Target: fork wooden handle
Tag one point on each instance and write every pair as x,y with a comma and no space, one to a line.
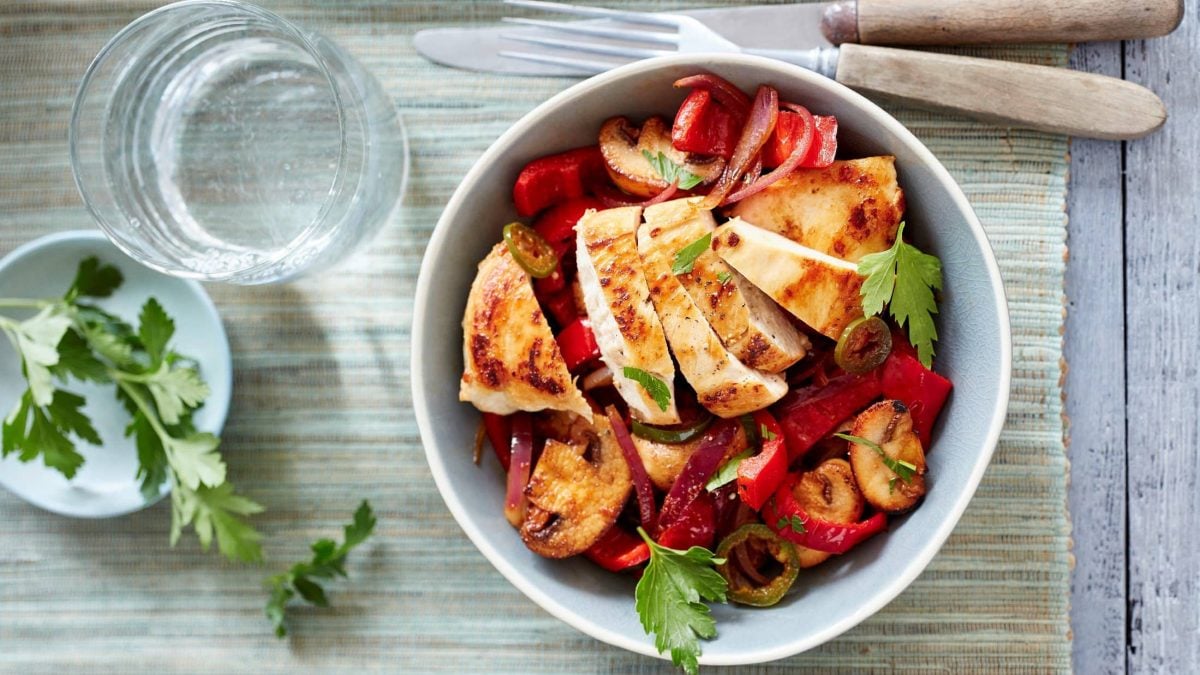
1016,94
948,22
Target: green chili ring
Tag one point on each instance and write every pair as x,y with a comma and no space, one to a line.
743,590
671,436
530,250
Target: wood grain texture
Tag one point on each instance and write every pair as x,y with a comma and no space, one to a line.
1162,321
1011,94
947,22
1095,389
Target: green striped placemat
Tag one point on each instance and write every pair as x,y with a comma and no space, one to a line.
322,416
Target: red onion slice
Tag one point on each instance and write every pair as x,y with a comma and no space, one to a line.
790,164
699,468
723,90
637,470
763,114
518,468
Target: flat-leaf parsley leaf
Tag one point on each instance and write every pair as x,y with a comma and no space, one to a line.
904,279
658,390
671,172
669,600
685,258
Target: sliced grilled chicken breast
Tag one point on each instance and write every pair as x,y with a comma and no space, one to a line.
848,209
511,361
749,324
820,290
627,330
723,384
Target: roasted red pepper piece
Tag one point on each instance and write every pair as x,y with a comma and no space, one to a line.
696,525
499,433
760,475
819,535
824,146
554,179
705,126
810,414
559,305
789,129
578,344
921,389
618,550
557,225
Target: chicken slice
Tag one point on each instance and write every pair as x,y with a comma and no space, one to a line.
848,209
723,384
511,361
818,289
750,325
627,330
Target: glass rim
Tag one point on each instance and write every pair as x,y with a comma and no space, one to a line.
85,89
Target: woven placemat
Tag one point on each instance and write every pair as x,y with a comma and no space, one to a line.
322,416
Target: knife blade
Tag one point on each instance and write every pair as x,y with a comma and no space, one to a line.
792,26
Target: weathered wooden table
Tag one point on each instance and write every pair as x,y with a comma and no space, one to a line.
1133,384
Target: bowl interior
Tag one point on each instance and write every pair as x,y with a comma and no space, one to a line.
974,353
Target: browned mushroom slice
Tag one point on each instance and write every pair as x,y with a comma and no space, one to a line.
622,145
575,494
893,481
828,493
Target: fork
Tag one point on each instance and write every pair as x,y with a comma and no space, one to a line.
1011,94
688,36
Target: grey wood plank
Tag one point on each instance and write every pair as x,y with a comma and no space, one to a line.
1163,325
1095,389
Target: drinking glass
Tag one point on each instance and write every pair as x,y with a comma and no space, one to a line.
214,140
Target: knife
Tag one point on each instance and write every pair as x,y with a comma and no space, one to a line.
803,26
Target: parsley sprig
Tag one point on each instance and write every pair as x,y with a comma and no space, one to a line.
904,279
685,258
669,599
658,390
670,171
70,338
328,561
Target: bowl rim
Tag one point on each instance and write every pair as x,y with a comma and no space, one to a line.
440,238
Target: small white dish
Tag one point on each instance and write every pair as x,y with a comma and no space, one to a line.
106,485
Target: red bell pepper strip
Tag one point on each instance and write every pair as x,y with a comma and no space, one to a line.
819,535
618,550
519,467
760,475
557,224
824,147
695,526
578,344
789,130
704,126
641,480
699,468
499,433
554,179
810,414
559,305
921,389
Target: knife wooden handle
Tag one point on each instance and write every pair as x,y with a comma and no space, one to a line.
950,22
1012,94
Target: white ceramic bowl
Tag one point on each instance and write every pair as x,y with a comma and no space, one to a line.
106,485
974,352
